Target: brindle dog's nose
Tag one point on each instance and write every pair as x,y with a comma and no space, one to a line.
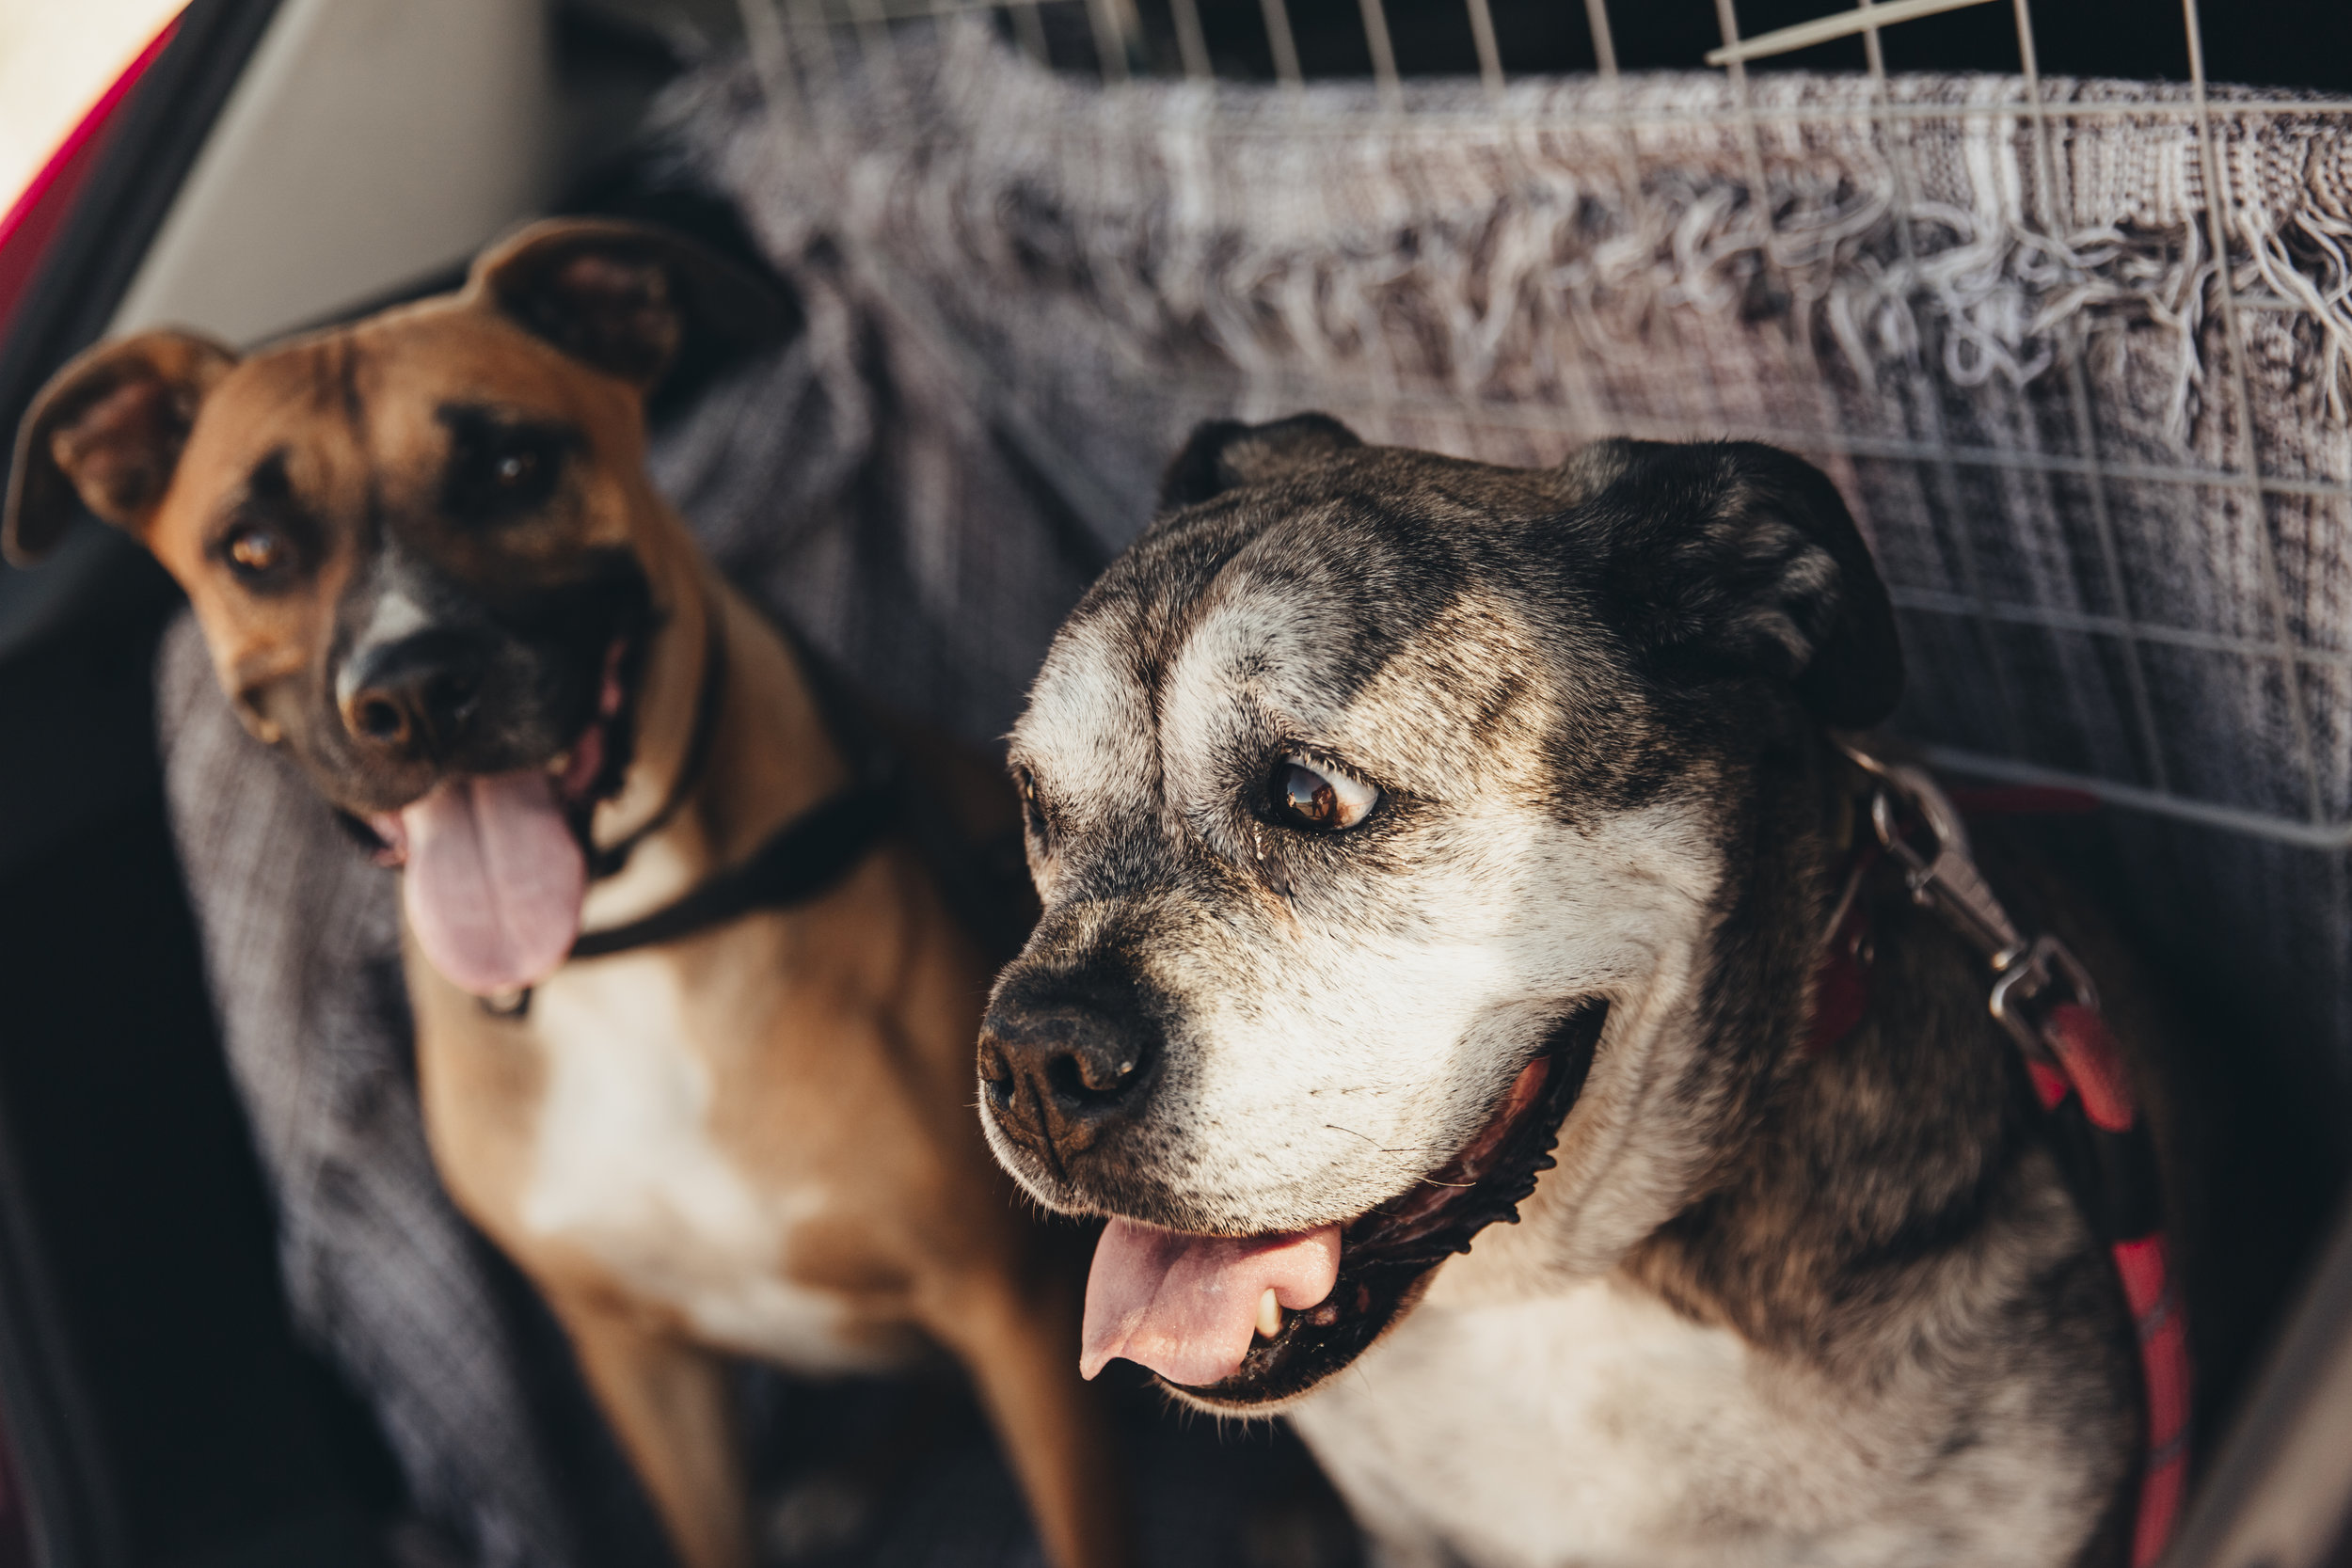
1067,1058
412,697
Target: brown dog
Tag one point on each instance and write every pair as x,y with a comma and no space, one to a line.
431,569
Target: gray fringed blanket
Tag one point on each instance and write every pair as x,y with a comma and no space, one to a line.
2114,513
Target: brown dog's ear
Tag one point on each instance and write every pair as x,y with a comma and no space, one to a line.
106,433
1223,453
623,297
1730,557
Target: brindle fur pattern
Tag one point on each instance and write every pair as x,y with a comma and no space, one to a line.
757,1140
1768,1308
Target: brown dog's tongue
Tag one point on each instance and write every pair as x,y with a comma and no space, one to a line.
1186,1305
495,880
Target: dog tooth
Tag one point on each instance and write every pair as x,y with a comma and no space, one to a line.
1269,1314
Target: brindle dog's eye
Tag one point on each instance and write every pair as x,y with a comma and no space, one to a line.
1318,799
515,469
255,553
1032,815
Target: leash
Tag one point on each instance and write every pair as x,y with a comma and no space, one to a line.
2043,998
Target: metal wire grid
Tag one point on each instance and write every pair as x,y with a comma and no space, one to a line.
787,38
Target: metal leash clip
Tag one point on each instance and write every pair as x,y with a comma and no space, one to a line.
2031,975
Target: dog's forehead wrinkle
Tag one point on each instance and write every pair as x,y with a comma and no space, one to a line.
1293,629
1462,704
1084,730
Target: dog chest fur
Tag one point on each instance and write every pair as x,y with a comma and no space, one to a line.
1646,1438
626,1168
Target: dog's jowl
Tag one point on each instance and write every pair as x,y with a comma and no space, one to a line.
694,1023
1425,845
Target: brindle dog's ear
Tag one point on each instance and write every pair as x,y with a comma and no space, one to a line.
1733,556
623,297
1223,453
105,433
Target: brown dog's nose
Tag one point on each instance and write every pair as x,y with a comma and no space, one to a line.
412,697
1065,1060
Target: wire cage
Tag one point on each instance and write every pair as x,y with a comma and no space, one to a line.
2075,349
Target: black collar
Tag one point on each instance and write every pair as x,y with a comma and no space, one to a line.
803,858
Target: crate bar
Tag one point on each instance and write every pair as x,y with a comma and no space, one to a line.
2236,819
2048,618
1604,38
1868,19
1192,44
1277,37
1110,39
1383,53
1481,23
2218,198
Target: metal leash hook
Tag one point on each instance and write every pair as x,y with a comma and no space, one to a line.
1945,877
2022,998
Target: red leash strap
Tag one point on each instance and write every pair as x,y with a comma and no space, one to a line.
2085,1081
2046,1001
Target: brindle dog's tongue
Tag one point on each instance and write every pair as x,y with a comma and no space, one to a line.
1186,1305
495,880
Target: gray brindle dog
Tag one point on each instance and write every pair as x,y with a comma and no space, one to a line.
1426,844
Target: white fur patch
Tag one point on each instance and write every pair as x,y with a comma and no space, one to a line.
1595,1426
627,1171
396,614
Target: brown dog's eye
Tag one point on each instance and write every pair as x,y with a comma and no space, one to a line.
256,552
1318,799
501,466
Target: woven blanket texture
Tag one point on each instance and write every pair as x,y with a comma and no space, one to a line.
2113,512
2002,335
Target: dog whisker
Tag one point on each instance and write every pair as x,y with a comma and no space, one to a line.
1374,1142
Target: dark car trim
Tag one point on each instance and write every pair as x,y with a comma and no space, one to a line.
151,141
